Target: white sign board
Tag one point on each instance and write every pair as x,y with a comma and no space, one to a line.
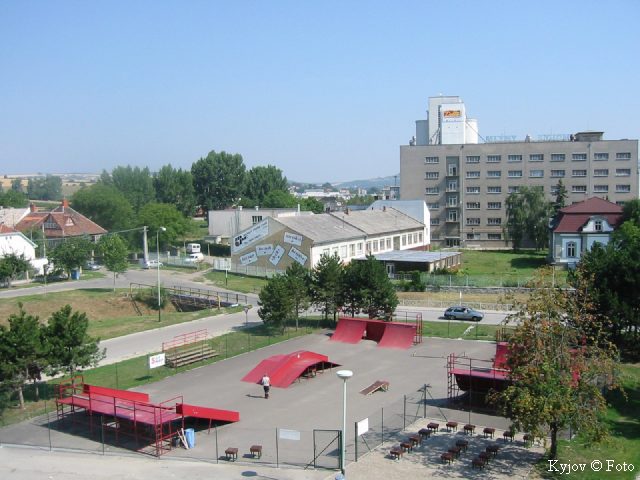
293,238
255,233
289,434
276,255
156,361
362,426
248,258
298,256
263,250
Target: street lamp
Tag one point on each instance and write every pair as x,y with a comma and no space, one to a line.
344,375
160,229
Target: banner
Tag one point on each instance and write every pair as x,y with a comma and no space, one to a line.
255,233
276,255
289,434
156,361
362,426
293,238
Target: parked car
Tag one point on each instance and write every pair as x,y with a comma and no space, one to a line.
152,264
460,312
194,258
92,266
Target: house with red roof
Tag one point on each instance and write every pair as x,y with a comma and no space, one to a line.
577,227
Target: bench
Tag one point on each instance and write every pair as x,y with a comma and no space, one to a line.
493,449
231,453
406,446
379,385
424,433
455,451
469,429
452,426
415,439
446,457
433,427
488,432
396,452
478,463
486,456
463,444
256,451
190,353
507,436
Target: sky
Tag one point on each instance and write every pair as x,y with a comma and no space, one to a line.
325,91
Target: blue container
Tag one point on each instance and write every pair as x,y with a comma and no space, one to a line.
75,274
190,436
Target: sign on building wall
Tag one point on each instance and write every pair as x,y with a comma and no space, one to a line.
248,258
293,238
263,250
452,114
298,256
276,255
255,233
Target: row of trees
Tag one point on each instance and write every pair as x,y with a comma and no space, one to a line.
48,187
29,348
361,286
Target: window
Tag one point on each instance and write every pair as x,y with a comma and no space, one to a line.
452,169
623,172
494,236
494,221
515,173
601,188
473,159
432,175
494,158
352,249
536,174
536,157
557,173
601,156
419,239
433,206
514,158
571,249
435,221
514,189
473,190
623,156
432,160
473,221
343,251
255,219
473,205
388,243
494,189
452,201
452,216
473,236
623,188
597,225
473,174
404,240
494,205
359,247
452,186
557,157
579,189
578,173
432,191
578,157
494,174
601,172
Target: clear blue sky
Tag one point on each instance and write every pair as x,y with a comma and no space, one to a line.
326,91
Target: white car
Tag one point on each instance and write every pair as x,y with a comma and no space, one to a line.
194,258
152,264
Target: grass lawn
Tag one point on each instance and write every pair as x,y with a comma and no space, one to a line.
458,329
235,282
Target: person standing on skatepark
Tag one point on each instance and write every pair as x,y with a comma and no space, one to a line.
266,385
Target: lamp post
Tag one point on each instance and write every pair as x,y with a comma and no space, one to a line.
344,375
160,229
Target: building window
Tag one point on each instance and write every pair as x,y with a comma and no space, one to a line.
435,221
578,173
494,189
557,157
514,189
255,219
352,249
452,216
623,188
494,174
343,251
494,205
536,157
578,157
597,225
623,156
452,186
432,175
388,243
452,201
473,221
494,236
494,158
623,172
473,159
452,169
494,221
515,173
473,190
601,172
601,156
571,249
579,189
432,160
420,238
359,247
514,158
432,191
536,174
600,188
473,205
557,173
404,240
433,206
473,236
473,174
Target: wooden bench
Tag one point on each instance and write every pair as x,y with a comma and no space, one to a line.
463,444
424,433
478,463
469,429
452,426
486,456
455,451
190,353
493,449
396,452
379,385
446,457
415,438
488,432
433,427
231,453
256,451
406,446
507,436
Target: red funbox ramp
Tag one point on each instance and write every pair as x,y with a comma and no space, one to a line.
501,358
397,335
349,330
284,369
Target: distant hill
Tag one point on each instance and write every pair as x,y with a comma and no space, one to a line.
378,182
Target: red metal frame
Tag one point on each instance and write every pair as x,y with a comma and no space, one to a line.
185,339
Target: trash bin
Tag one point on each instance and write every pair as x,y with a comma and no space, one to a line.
190,436
75,274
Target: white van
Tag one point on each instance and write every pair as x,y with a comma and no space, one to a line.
193,248
194,258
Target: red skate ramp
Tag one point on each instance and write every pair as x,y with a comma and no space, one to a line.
349,330
397,335
502,352
283,370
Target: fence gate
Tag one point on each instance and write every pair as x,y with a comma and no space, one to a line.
326,449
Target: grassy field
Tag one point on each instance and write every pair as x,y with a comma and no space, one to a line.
235,282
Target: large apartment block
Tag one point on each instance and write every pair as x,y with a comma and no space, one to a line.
465,185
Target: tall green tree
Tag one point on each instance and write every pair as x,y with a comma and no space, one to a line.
327,280
299,281
561,197
13,199
135,183
528,214
631,211
367,288
105,205
156,215
11,266
47,188
175,186
276,304
71,254
261,180
16,185
218,180
114,254
68,345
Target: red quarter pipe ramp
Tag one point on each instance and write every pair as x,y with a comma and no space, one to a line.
386,334
397,335
283,370
349,330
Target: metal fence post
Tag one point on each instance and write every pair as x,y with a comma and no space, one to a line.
278,452
404,413
215,429
424,402
355,436
382,425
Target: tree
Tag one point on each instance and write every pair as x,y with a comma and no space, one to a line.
156,215
327,280
559,363
261,180
361,200
114,254
367,288
631,211
279,199
561,197
175,187
68,345
135,184
47,188
104,205
218,180
275,302
528,217
311,204
13,198
16,185
72,254
11,266
299,280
